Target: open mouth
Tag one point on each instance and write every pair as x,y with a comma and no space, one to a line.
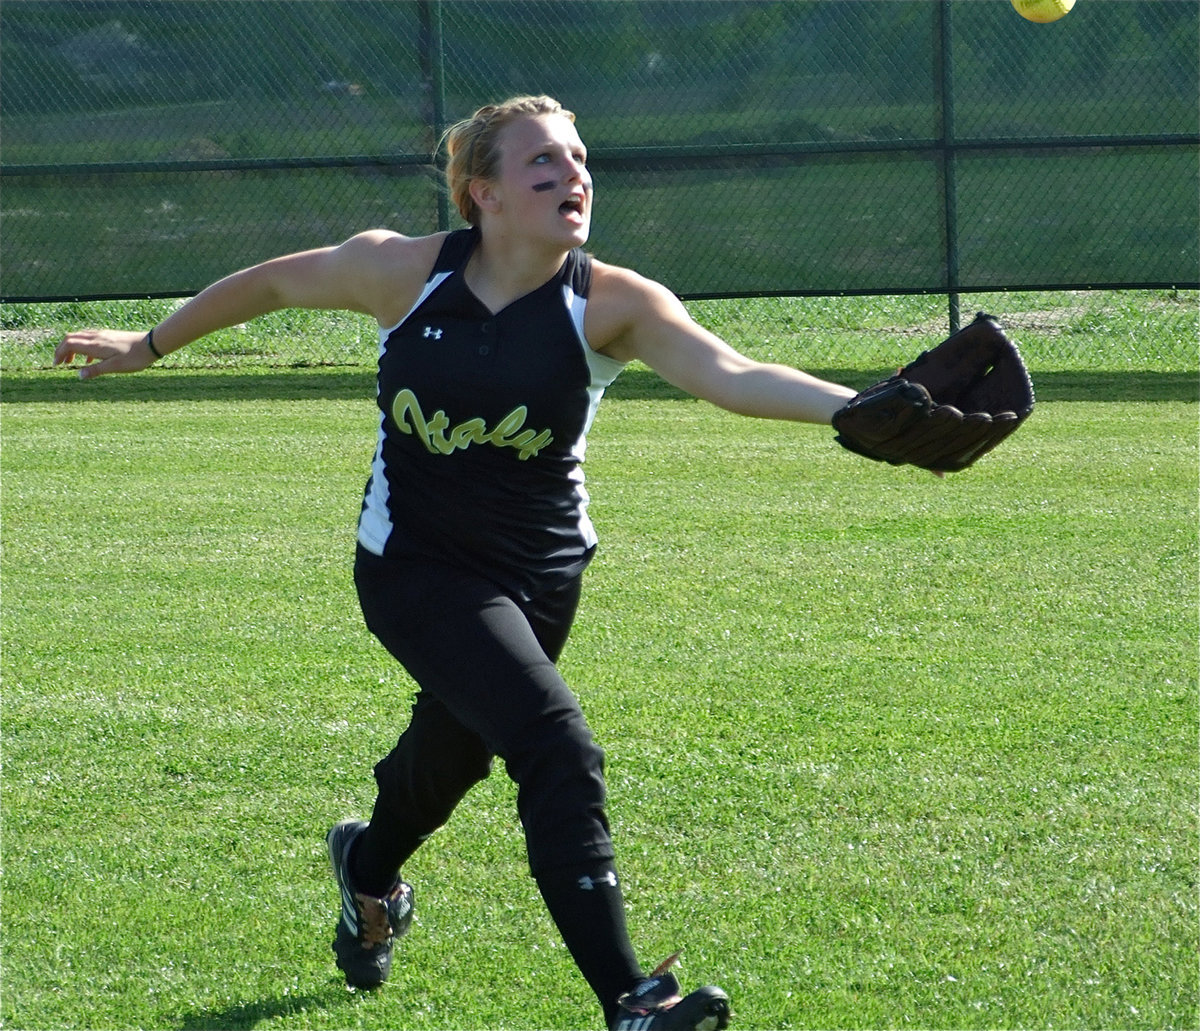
573,205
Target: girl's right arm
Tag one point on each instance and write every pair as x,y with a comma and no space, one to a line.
377,273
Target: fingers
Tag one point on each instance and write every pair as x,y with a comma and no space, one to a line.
91,371
103,351
86,343
67,348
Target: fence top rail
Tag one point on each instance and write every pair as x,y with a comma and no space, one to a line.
620,156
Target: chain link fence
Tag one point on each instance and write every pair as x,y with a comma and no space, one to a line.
760,154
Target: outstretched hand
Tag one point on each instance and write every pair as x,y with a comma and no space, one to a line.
105,351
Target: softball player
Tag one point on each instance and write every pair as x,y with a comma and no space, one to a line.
496,344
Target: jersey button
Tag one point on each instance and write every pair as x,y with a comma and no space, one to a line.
484,349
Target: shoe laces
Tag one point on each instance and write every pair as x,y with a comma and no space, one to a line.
657,993
374,921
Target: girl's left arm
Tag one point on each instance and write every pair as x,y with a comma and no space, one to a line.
642,319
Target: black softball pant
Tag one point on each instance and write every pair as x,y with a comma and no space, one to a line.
487,686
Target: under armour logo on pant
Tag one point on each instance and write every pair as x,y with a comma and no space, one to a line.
589,883
436,334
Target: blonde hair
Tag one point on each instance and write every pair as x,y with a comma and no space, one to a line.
473,149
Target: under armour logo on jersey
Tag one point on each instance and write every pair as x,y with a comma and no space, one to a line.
430,332
590,883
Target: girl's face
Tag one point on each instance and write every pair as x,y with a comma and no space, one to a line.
543,185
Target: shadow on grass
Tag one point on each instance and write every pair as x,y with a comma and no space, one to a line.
349,384
252,1014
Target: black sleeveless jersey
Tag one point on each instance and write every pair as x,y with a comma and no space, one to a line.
483,419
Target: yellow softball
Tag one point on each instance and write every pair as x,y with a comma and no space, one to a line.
1042,11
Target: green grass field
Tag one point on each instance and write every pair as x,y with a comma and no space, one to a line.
884,750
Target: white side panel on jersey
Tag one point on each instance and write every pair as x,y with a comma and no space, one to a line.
603,371
375,524
602,368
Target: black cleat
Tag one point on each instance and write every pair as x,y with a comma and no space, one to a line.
656,1005
369,926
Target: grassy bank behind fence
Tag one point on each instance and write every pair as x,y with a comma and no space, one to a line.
1144,331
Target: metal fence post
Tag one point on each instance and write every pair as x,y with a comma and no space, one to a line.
949,167
433,71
